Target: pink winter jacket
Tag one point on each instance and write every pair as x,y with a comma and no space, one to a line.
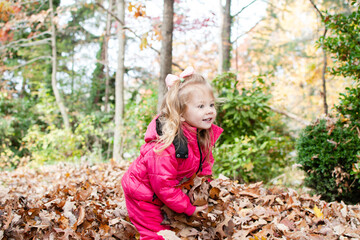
153,177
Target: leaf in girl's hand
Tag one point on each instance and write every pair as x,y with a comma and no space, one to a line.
186,183
168,235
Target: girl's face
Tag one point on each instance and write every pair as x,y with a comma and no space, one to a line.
200,109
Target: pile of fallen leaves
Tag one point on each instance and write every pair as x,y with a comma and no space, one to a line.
64,202
86,202
238,211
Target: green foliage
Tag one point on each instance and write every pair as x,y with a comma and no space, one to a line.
344,43
16,116
96,134
328,151
31,131
241,113
349,105
253,146
262,156
140,109
53,145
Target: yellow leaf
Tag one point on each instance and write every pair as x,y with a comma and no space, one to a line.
158,34
130,7
344,119
318,212
248,166
144,41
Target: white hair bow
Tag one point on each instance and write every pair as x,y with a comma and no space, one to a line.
171,78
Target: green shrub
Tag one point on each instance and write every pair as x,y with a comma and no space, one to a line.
254,146
16,116
328,151
260,157
88,140
95,131
241,112
53,145
349,106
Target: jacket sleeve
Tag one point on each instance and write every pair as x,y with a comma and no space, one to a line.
162,170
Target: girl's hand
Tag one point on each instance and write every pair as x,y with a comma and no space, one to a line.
199,209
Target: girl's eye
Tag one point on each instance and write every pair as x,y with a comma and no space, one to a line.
212,105
201,106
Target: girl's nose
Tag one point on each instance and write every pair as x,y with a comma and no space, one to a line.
210,110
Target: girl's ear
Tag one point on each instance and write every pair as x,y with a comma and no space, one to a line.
182,119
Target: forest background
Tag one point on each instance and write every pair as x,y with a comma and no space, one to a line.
81,80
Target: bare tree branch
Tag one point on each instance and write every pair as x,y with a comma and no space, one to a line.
243,8
325,60
29,62
27,2
24,40
133,32
237,38
316,8
290,115
36,43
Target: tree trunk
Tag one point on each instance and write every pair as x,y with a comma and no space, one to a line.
324,80
119,84
166,47
220,70
106,56
58,97
325,62
23,86
225,43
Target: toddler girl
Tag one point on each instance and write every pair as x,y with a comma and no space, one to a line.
178,145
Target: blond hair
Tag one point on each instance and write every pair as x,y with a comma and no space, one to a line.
172,108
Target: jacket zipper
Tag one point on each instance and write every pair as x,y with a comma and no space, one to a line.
201,160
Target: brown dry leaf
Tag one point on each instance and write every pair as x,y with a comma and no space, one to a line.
68,201
214,193
65,201
81,217
252,212
289,224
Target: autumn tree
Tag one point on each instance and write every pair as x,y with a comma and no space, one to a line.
166,46
119,83
25,37
225,46
58,97
328,149
106,55
323,77
37,33
290,59
32,45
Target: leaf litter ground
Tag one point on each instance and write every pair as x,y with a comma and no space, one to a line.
67,201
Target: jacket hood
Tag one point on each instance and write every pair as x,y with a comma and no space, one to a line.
151,134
